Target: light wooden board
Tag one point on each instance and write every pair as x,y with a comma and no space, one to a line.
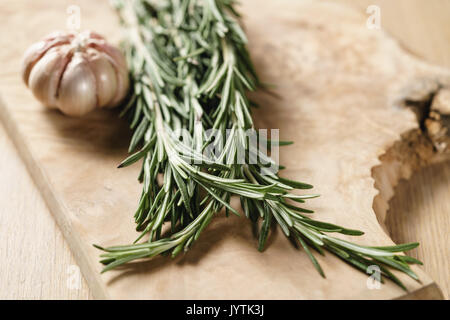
35,260
79,204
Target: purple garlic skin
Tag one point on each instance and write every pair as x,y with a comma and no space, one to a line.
76,73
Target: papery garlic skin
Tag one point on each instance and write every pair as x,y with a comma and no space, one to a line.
76,73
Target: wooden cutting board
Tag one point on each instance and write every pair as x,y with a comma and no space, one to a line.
343,90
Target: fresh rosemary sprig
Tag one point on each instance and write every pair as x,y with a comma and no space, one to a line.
191,71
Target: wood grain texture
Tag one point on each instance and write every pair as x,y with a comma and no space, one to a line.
422,27
10,161
35,261
420,212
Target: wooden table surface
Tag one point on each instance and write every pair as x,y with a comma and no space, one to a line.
36,263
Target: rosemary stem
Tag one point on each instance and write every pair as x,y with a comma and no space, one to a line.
191,70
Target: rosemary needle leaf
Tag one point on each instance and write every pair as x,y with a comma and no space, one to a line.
136,156
392,277
295,184
396,265
358,248
311,256
218,198
264,230
408,259
400,247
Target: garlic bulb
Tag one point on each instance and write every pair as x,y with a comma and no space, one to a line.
76,72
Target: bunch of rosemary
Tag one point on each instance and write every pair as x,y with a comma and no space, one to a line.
191,71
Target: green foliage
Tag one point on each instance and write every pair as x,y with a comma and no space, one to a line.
191,69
